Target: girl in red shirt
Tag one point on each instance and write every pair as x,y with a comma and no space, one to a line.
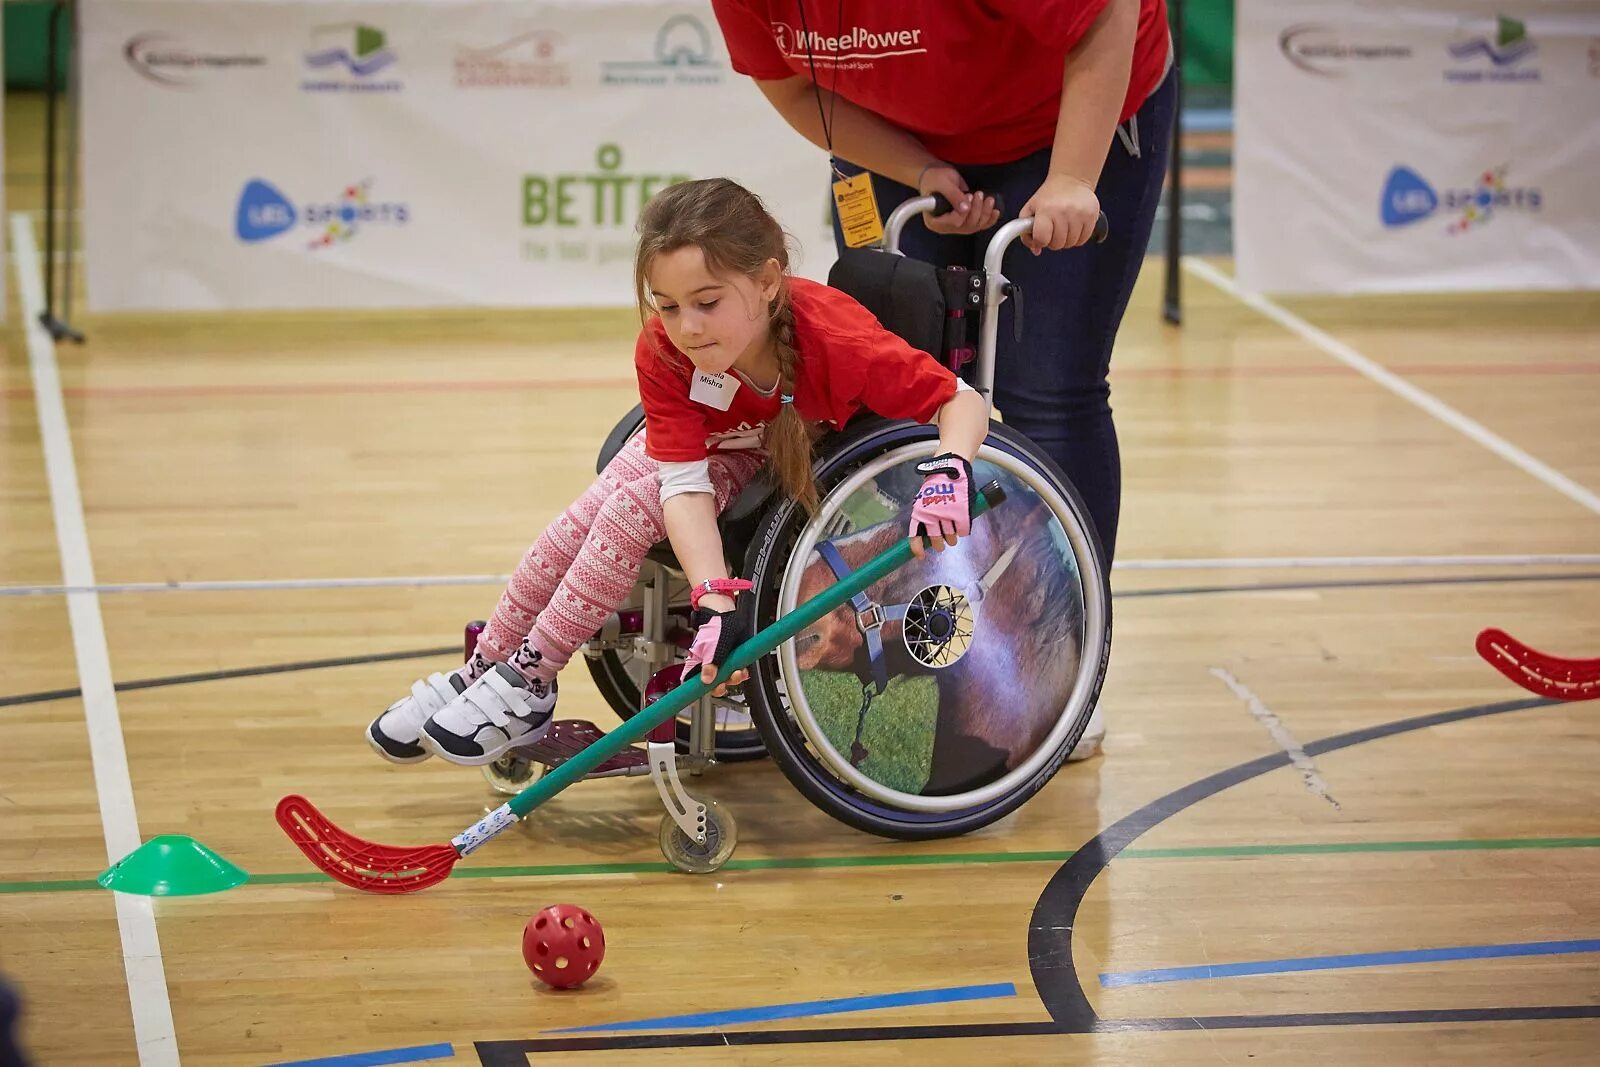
738,365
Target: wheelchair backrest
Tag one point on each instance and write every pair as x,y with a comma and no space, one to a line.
903,293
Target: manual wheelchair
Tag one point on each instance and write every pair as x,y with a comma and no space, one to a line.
938,700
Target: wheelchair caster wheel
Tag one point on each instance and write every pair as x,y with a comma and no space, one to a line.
511,774
686,854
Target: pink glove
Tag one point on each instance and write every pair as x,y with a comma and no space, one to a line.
944,503
716,633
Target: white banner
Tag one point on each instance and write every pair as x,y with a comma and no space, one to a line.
371,154
1410,146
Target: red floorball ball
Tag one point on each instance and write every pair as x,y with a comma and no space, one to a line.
563,945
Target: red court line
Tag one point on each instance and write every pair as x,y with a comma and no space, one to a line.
338,388
491,385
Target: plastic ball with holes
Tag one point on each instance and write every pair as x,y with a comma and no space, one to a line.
563,945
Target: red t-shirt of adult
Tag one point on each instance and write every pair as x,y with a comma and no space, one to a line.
847,361
976,82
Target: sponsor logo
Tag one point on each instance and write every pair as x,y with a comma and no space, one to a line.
682,56
1499,56
529,61
607,199
167,61
264,212
1323,50
347,58
1409,198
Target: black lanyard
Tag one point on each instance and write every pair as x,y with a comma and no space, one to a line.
825,116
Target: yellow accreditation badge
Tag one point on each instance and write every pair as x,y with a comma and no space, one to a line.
858,211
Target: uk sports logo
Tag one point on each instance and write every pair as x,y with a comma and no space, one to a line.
1409,198
264,212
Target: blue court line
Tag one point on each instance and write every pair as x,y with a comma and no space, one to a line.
812,1007
1358,959
413,1054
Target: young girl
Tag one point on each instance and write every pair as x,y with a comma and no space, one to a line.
738,363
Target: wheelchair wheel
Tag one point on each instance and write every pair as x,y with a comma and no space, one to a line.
949,693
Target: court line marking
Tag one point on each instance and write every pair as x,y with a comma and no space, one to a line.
1050,930
910,859
153,1030
805,1009
1116,979
516,1053
381,1058
265,390
1050,945
1397,385
1573,559
47,695
1309,775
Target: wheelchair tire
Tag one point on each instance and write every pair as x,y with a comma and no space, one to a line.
770,555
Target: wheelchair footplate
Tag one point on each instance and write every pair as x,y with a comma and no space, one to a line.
568,737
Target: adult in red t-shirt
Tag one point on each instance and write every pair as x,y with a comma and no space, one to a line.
1062,108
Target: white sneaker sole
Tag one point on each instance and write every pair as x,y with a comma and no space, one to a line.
372,742
489,756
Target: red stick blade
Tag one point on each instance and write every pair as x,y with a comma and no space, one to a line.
358,863
1538,672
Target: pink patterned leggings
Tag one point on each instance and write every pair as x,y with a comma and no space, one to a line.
586,563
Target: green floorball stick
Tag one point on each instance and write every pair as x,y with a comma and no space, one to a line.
377,868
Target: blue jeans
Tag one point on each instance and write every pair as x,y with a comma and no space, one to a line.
1053,386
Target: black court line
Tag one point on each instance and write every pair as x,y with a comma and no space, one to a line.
1050,943
1050,930
1197,590
517,1053
238,672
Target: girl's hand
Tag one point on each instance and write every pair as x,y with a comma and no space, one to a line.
717,634
943,511
970,212
1064,212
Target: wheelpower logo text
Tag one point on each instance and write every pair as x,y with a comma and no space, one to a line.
855,47
347,57
264,212
168,61
1409,198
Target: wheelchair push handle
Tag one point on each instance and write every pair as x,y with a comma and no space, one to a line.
936,205
941,206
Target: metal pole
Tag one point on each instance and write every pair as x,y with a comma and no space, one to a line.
58,329
1172,299
69,238
47,316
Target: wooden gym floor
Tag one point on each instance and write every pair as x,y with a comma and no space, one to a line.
1307,554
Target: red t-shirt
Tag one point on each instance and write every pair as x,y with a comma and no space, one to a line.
976,82
848,361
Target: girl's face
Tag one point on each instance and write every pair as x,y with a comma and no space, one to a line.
716,320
